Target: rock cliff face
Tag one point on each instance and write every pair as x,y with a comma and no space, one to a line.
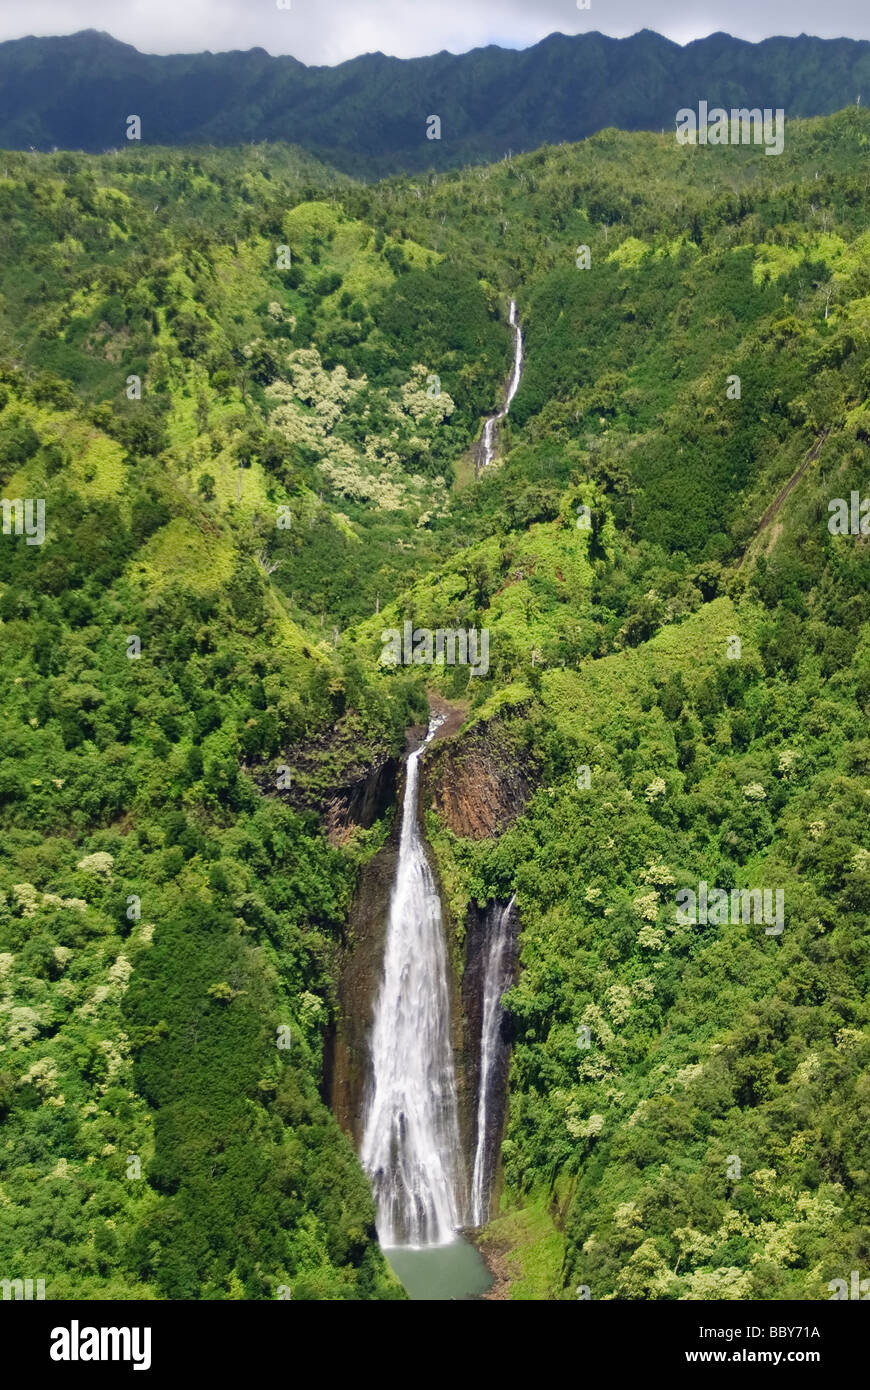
476,782
362,801
347,1062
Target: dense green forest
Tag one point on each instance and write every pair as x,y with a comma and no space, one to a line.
248,389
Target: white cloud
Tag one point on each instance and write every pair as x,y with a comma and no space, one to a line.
329,31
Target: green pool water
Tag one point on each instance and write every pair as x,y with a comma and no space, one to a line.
441,1272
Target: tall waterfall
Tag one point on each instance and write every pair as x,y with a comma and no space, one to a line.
411,1148
487,441
496,980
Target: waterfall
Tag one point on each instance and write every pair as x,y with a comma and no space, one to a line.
411,1148
487,441
496,979
514,383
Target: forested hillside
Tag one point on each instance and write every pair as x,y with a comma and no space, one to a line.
248,390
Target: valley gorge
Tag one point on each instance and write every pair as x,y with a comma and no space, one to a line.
331,977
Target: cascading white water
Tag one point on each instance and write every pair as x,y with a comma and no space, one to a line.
487,442
496,980
411,1149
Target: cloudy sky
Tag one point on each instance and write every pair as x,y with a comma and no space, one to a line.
328,31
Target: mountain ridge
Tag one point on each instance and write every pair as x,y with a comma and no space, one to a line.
369,115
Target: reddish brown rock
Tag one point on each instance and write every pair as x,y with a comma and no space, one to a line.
477,782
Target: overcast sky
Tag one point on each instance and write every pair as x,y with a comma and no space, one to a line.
328,31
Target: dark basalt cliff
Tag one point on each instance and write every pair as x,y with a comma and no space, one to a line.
359,968
358,792
362,801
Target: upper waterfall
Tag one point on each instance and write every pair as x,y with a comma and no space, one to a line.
486,451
